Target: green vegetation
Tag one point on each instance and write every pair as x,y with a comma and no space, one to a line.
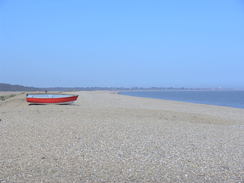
5,97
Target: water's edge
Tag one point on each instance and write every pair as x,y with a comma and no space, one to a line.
233,99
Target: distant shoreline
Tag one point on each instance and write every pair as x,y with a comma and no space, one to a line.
226,98
9,87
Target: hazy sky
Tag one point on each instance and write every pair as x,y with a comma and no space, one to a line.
190,43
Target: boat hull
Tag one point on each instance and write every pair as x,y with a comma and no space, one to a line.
51,98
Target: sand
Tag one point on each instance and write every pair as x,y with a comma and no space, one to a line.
106,137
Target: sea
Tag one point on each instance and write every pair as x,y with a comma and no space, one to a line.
220,98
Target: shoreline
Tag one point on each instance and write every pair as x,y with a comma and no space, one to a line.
183,101
107,137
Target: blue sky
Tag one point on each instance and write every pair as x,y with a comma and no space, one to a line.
122,43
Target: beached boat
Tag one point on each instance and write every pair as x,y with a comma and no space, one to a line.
48,98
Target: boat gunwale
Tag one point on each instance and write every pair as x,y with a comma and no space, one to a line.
62,94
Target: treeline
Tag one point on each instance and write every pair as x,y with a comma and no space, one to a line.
9,87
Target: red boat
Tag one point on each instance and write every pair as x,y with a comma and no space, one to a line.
48,98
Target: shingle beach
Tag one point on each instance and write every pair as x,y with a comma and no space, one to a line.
106,137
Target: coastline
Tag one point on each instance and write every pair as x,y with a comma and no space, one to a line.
207,97
108,137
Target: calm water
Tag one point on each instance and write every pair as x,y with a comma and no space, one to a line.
222,98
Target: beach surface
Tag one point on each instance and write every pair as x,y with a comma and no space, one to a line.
106,137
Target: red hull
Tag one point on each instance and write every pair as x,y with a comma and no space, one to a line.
58,100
